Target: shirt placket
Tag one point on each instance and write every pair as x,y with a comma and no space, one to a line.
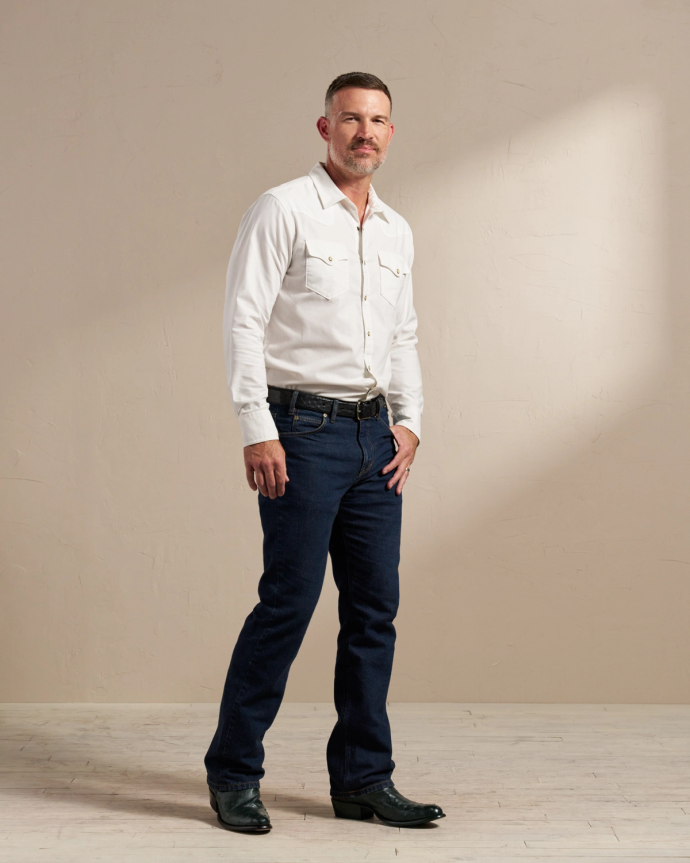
366,299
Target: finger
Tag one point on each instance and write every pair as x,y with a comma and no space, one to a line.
397,458
261,481
399,472
281,479
249,470
269,474
403,479
396,476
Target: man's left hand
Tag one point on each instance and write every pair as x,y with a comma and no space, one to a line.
407,445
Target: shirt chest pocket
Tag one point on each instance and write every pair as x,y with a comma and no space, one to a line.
392,270
327,268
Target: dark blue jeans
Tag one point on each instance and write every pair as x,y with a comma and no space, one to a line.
335,502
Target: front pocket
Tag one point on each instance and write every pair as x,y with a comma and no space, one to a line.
327,268
392,270
298,423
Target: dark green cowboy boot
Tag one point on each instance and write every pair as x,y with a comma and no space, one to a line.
389,806
240,810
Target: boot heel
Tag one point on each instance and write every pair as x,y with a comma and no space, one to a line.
214,802
351,810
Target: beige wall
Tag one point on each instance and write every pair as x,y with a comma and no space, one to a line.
541,158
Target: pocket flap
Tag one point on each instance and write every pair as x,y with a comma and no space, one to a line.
394,262
326,250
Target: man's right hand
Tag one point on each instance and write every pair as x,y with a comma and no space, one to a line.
267,460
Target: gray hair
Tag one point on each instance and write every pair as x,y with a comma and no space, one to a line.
354,79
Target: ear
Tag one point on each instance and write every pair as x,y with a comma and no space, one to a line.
391,129
323,125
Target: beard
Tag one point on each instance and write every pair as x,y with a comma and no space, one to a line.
357,165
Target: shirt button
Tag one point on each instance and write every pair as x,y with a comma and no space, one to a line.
368,333
364,263
365,296
330,259
369,368
396,271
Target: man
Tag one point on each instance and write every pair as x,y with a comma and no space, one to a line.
319,327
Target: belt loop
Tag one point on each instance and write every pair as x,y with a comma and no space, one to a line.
293,401
334,410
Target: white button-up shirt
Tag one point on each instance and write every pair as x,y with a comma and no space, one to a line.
315,303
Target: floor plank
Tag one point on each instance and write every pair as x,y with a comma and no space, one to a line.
527,782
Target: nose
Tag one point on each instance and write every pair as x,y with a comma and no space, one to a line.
366,129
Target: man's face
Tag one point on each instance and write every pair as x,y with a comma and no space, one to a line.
358,130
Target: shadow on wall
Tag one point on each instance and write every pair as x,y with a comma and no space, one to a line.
546,531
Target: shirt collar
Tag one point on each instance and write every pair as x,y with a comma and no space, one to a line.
376,205
330,194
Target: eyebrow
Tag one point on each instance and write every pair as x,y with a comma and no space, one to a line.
356,114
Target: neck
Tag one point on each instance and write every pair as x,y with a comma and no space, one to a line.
355,186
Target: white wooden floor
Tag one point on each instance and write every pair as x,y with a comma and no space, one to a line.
89,782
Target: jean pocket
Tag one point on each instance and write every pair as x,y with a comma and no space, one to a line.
300,423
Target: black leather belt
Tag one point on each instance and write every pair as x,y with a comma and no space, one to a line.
310,402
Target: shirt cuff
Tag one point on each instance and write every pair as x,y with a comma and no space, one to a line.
257,426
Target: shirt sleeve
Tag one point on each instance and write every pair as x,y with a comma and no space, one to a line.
258,263
405,389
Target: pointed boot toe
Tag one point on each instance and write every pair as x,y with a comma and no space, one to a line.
240,810
389,806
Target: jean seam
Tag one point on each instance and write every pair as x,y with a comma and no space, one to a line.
364,430
348,666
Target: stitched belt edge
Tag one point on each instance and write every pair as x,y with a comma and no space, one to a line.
311,402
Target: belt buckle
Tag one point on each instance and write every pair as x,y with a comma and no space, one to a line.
378,408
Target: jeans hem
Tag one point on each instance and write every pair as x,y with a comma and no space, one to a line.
233,786
379,786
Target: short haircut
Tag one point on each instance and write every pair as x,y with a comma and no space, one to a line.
355,79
